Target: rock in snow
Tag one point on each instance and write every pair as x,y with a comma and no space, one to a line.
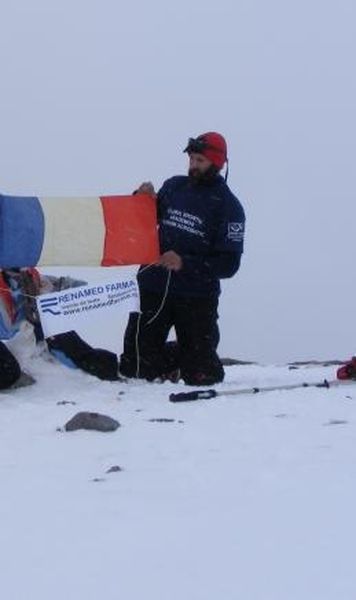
91,420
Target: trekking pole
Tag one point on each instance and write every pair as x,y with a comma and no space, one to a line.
207,394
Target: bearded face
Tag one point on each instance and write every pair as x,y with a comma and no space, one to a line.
200,167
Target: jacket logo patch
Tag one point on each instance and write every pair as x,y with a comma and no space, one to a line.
185,221
235,232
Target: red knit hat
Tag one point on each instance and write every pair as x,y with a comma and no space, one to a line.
212,145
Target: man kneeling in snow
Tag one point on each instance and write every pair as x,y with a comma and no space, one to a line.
18,315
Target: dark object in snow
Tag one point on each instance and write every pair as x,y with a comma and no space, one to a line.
65,402
314,363
161,420
207,394
91,420
336,422
229,362
114,469
24,380
10,370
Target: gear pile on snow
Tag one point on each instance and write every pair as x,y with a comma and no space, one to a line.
348,370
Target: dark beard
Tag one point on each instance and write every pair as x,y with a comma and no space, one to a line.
197,177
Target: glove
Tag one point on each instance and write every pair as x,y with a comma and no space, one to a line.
146,188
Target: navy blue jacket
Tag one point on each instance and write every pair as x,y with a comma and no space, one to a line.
204,223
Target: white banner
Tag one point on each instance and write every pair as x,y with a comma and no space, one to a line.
60,311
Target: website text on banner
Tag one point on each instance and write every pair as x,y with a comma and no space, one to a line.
60,312
93,231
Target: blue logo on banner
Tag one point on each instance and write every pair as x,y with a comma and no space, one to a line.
49,304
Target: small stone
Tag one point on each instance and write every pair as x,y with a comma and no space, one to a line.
91,420
114,469
336,422
64,402
161,420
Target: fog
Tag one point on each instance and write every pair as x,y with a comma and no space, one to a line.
99,96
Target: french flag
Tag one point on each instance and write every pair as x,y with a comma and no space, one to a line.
90,231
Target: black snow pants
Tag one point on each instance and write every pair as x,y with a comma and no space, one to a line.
96,361
10,370
146,353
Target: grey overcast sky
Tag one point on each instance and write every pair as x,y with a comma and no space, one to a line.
97,96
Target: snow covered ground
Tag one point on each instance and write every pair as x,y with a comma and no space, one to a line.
249,498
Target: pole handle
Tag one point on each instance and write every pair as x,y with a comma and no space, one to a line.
195,395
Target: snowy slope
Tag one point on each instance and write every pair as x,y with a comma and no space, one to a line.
249,498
